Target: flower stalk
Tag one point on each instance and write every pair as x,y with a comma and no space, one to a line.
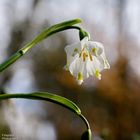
83,34
43,35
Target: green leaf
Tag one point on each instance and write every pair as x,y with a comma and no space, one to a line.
55,99
45,96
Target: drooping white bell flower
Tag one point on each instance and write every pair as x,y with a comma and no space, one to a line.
86,58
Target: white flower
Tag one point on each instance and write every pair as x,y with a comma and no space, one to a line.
86,58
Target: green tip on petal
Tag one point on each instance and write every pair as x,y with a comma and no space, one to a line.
80,78
95,51
97,74
66,67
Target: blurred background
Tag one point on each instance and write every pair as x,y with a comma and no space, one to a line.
111,105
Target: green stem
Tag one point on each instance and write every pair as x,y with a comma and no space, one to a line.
85,120
43,35
50,97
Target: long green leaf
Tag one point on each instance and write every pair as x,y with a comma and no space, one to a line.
45,96
55,99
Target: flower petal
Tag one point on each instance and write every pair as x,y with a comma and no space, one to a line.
100,53
72,51
74,48
84,42
95,47
93,66
78,69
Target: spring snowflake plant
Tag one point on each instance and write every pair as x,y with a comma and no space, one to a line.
85,58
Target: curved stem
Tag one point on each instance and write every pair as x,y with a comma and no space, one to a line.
43,35
49,97
85,120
